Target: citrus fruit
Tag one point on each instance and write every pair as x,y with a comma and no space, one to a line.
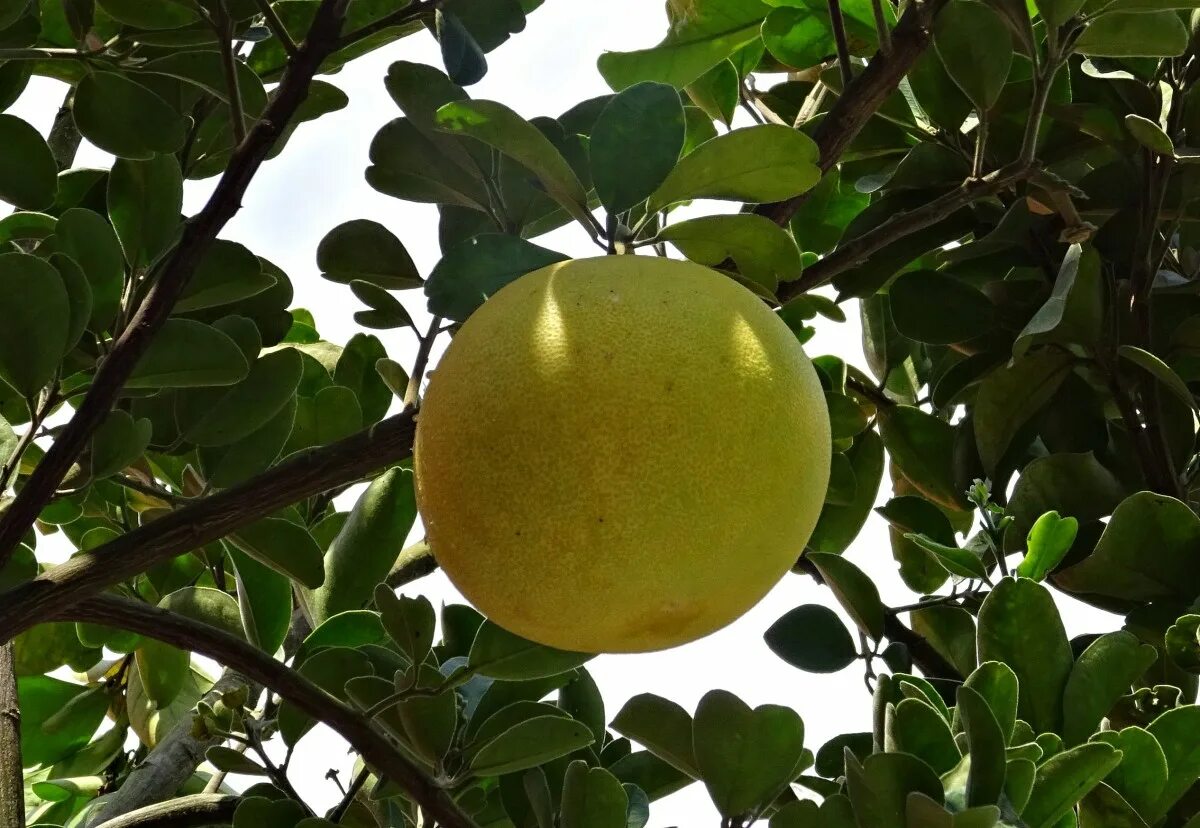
620,454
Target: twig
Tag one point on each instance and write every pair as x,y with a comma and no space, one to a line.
172,276
408,14
869,391
413,391
37,412
855,251
339,810
839,38
981,136
271,18
881,28
149,490
237,116
373,746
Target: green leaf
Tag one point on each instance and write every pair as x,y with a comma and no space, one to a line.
915,727
1176,731
763,163
353,628
385,310
745,757
846,417
429,721
580,698
90,241
1074,484
250,404
592,798
163,670
409,622
1160,371
922,448
949,630
1011,395
1118,566
284,546
797,37
461,55
1019,625
40,697
717,92
1133,34
125,118
976,49
702,35
1142,774
985,742
856,592
366,251
1047,544
254,453
498,126
414,165
879,788
811,637
1064,779
762,251
1104,807
957,561
1150,135
473,270
1075,310
150,14
264,599
635,143
662,726
911,513
227,273
530,743
117,443
145,198
261,812
933,307
358,369
23,225
28,174
839,525
33,337
185,353
329,669
232,761
499,654
997,684
364,550
79,296
1181,642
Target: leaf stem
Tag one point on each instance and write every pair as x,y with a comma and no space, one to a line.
839,38
237,114
413,392
271,18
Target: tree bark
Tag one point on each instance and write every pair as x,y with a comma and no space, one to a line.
192,811
12,798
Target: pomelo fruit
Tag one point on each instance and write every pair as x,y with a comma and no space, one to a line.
621,454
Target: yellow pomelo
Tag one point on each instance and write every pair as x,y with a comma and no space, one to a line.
621,454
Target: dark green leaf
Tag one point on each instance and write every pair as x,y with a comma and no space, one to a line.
117,443
976,49
662,726
856,592
385,310
763,252
717,92
33,337
1142,774
366,251
1103,673
1131,34
1175,731
28,174
145,198
960,562
880,786
592,798
1064,779
529,744
185,353
1075,310
461,55
838,525
997,684
409,621
951,631
812,638
284,546
475,269
88,239
265,601
986,742
922,448
1160,371
933,307
635,143
125,118
1011,395
915,727
502,655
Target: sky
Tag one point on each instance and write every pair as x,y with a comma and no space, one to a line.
318,183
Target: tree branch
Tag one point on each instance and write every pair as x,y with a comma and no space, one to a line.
863,97
172,276
271,18
12,797
857,250
408,14
194,811
248,660
839,38
209,519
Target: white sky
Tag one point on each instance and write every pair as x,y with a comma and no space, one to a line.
317,183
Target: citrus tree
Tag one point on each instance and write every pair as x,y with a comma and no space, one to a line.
1002,191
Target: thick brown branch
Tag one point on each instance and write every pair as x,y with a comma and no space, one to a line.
207,520
172,276
251,662
863,97
12,798
194,811
857,250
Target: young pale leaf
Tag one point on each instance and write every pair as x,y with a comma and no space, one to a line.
662,726
185,353
745,757
635,143
763,163
1064,779
957,561
363,552
28,174
366,251
976,49
499,654
145,198
592,798
473,270
498,126
1042,662
529,744
812,638
33,336
856,592
1047,544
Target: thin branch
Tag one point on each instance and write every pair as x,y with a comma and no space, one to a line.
881,28
862,98
207,520
307,697
194,811
271,18
339,810
237,114
133,484
858,249
408,14
12,798
839,38
172,276
413,392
